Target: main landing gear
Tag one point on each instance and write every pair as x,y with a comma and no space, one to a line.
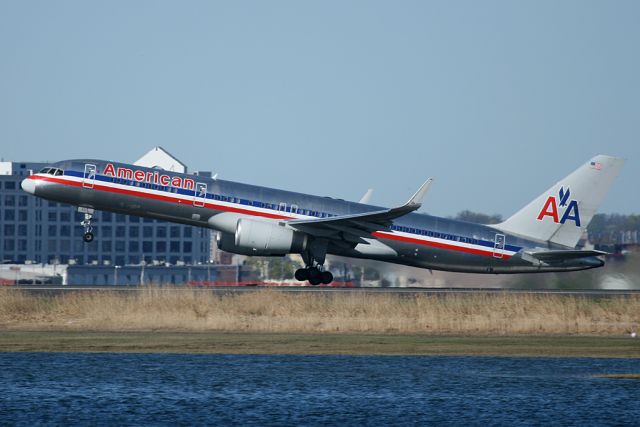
314,258
314,275
88,229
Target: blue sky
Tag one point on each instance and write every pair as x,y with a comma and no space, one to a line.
495,99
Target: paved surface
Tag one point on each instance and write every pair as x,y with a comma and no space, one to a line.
599,293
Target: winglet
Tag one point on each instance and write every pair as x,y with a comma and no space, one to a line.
416,199
367,196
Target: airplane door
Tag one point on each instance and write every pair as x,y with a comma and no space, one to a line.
498,247
200,194
89,176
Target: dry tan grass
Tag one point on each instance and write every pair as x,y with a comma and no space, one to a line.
275,311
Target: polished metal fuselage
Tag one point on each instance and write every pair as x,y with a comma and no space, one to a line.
415,239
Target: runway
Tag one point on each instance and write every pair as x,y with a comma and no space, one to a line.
593,293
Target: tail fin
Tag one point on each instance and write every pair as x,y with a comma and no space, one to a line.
562,213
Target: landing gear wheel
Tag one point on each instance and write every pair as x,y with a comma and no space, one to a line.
314,276
88,229
326,277
301,274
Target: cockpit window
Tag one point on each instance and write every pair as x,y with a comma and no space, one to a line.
52,171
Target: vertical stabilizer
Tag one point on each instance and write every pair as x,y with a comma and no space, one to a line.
562,213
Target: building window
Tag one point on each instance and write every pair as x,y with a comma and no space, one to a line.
147,231
106,216
9,200
65,216
52,245
161,232
147,246
120,245
174,246
161,246
22,201
65,230
106,246
53,204
65,246
121,218
134,231
175,231
10,185
134,246
9,230
106,231
187,247
9,245
53,216
120,231
9,215
22,215
22,229
52,230
188,232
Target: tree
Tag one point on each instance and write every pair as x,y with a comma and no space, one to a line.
478,218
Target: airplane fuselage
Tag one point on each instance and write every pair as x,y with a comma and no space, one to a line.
414,239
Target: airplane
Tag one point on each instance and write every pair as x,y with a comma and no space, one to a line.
254,220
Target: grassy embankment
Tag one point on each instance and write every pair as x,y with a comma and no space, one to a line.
270,321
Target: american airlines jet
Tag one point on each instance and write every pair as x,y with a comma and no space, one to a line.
254,220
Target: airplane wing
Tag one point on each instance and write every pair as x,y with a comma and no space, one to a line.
367,196
355,227
562,255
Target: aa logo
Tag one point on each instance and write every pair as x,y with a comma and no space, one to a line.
569,208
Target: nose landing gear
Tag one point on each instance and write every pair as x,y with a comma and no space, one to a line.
86,223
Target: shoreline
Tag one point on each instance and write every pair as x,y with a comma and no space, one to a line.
317,344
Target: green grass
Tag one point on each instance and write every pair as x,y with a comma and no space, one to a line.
293,343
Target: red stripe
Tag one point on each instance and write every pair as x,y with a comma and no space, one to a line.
383,235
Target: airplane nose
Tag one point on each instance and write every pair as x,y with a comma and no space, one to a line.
28,185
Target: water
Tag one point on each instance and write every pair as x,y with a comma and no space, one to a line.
171,389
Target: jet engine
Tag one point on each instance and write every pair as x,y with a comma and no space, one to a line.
262,238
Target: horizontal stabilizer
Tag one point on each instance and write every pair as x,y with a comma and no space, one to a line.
558,256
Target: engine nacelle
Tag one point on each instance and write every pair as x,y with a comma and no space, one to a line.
262,238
